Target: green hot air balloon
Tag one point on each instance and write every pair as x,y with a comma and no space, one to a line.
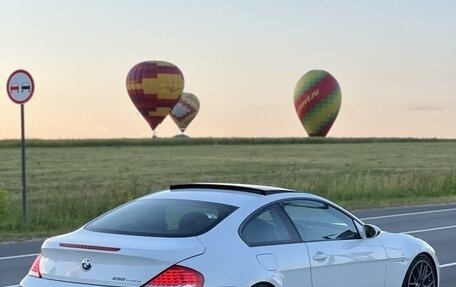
317,99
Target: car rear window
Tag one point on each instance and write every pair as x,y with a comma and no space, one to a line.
162,218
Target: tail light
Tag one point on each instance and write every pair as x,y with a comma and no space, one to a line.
35,269
177,276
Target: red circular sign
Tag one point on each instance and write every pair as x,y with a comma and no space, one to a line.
20,86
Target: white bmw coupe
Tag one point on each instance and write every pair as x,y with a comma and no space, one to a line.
222,235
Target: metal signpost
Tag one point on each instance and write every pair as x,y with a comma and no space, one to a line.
20,87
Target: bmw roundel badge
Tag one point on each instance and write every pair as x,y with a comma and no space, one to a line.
86,264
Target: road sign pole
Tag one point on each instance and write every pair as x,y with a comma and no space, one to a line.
20,87
24,185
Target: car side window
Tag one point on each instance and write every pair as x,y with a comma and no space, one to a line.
318,221
265,228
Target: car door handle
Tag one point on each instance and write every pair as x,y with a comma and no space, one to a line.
320,256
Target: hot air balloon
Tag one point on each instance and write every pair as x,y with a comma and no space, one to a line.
154,87
185,110
317,99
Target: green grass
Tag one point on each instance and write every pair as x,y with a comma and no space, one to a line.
69,182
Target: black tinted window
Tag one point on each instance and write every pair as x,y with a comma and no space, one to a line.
267,227
316,221
162,218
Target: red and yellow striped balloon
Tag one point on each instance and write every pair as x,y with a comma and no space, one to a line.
185,110
317,99
155,87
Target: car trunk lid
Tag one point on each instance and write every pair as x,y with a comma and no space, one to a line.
87,257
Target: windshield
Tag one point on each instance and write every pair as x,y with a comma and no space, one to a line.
162,218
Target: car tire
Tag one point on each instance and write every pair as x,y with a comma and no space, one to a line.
421,273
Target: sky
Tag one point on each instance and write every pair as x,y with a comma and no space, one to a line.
395,61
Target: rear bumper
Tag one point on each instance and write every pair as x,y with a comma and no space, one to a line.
30,281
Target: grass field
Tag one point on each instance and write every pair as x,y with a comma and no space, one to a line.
69,182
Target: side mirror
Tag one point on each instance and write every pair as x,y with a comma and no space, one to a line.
371,231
